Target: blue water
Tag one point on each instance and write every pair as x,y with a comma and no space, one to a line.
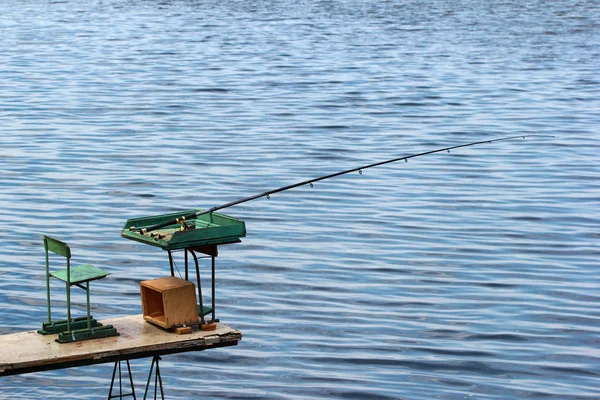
466,275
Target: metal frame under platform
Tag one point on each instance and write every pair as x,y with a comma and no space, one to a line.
29,351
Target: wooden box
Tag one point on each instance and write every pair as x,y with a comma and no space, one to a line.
169,302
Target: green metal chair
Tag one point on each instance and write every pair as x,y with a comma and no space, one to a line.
73,329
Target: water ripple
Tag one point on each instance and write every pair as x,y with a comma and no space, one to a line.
464,275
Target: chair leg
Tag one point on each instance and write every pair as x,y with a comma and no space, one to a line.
48,287
68,307
81,328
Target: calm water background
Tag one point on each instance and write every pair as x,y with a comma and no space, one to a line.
472,274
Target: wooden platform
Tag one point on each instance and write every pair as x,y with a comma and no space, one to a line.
26,352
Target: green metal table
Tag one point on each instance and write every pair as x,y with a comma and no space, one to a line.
192,235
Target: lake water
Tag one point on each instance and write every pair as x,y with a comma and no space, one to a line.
466,275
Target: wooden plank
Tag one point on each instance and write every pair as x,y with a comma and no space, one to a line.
25,352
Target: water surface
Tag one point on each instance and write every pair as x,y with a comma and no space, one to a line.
464,275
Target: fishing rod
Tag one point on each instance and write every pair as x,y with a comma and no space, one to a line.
267,194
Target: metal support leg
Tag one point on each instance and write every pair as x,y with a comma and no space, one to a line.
121,395
201,311
186,265
87,295
213,288
171,263
157,380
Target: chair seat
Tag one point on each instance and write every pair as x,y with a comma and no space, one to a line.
81,273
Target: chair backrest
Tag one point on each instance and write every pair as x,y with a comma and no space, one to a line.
56,246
